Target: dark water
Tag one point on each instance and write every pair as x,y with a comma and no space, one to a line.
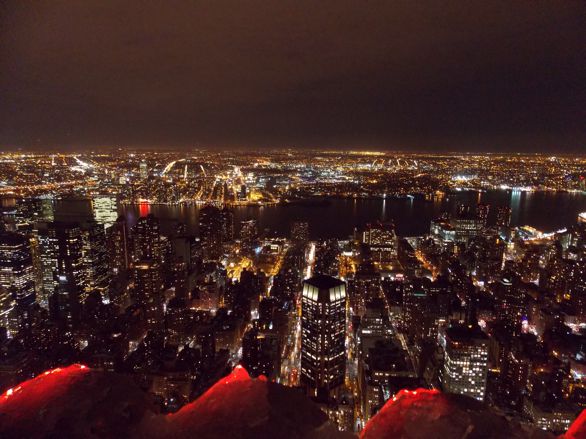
337,219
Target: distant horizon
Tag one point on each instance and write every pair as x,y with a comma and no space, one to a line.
244,149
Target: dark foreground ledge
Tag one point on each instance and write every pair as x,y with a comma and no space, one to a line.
77,402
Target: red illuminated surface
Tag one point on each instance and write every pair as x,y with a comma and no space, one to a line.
238,375
578,429
409,410
392,418
46,382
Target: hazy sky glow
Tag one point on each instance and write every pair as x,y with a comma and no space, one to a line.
441,75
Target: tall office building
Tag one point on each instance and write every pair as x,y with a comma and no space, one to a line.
482,211
65,302
465,360
382,242
118,242
243,193
300,232
17,279
105,210
80,211
61,252
503,216
509,303
227,216
143,170
95,255
148,290
146,239
16,266
465,227
210,232
248,233
323,331
419,310
64,269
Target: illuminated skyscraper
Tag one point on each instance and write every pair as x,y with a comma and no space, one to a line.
503,216
17,282
300,232
146,239
248,233
467,224
465,360
419,310
65,302
95,258
143,170
105,210
210,232
80,211
323,323
227,224
148,290
382,241
61,255
64,270
482,213
510,303
118,246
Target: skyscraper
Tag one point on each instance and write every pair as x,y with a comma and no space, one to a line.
482,211
503,216
118,246
248,233
61,254
382,242
105,210
323,323
465,360
17,281
65,302
227,216
300,232
419,310
146,239
148,290
210,232
143,170
509,303
80,211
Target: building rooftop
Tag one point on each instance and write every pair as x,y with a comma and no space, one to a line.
324,282
464,333
77,401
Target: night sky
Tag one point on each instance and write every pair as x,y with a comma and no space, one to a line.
437,75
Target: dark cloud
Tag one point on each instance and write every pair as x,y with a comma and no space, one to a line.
429,75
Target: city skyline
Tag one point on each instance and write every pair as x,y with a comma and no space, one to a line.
362,280
293,219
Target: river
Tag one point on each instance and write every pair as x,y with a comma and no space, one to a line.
546,211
